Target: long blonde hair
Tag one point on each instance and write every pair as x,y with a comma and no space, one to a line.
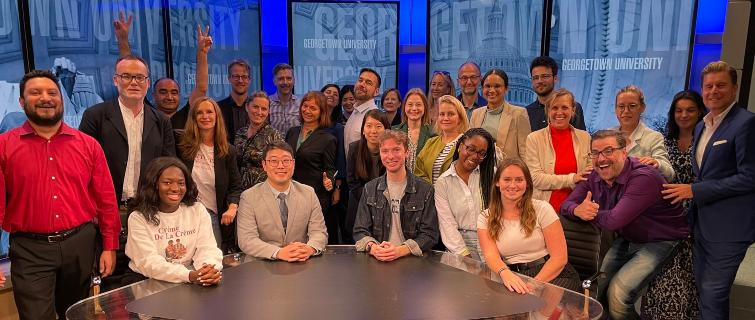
527,214
191,139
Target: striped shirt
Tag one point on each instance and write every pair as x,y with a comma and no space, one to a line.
284,116
439,160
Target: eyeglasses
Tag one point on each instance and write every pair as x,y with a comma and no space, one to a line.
465,79
442,72
286,162
632,107
236,77
542,76
127,78
471,151
607,152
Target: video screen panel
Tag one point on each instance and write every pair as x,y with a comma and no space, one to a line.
496,34
12,65
602,46
235,32
76,40
329,42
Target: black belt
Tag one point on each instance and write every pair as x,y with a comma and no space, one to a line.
519,267
51,237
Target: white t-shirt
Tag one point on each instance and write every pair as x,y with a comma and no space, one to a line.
396,192
511,243
181,243
203,174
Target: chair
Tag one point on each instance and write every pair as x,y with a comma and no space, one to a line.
586,245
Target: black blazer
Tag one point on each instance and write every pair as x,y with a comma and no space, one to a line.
227,178
104,122
315,156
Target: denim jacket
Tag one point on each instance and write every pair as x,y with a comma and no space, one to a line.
419,220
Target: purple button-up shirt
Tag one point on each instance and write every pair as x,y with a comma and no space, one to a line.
634,206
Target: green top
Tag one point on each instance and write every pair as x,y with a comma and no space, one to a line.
492,120
301,139
426,158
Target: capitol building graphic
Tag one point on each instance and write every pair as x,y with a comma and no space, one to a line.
496,53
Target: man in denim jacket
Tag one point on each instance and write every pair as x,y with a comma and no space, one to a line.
396,214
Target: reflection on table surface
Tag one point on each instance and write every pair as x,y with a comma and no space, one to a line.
562,303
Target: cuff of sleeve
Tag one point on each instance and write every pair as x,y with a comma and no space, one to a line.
110,243
275,255
413,247
317,251
464,252
572,185
362,243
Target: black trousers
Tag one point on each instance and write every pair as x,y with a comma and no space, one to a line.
50,277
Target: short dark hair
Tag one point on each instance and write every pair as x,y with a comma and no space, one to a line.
37,74
278,144
240,62
621,137
363,70
544,61
147,199
499,73
132,57
672,128
280,67
165,78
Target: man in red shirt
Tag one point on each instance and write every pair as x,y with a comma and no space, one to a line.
53,181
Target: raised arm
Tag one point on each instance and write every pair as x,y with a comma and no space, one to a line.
122,28
204,41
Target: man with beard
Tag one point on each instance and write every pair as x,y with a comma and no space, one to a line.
284,105
130,134
469,81
234,114
365,91
165,91
54,180
623,195
544,72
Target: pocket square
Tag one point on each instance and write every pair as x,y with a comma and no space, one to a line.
719,142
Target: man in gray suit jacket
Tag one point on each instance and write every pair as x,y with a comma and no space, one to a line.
280,219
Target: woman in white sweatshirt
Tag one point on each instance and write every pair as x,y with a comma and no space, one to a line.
170,235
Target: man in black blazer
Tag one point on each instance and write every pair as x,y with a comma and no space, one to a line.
130,143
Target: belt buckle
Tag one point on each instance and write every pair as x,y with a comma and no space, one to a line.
55,238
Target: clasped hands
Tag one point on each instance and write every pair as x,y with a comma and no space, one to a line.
206,276
296,251
386,251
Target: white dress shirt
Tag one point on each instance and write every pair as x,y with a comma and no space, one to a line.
458,206
134,132
353,129
711,124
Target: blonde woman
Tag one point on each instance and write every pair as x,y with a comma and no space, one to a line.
440,85
436,156
520,234
557,154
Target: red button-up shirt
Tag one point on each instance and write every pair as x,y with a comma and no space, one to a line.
57,184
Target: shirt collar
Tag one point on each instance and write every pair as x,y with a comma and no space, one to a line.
623,175
125,110
274,97
717,119
362,108
27,129
276,192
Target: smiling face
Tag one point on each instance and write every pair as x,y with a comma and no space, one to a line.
171,189
608,167
331,96
372,129
494,89
393,155
448,118
438,86
545,82
347,102
686,114
512,184
414,108
258,109
469,79
278,174
628,101
131,90
206,116
366,87
284,81
560,112
239,79
166,95
391,102
718,91
310,112
42,102
469,158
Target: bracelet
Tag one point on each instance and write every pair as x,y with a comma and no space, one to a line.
501,270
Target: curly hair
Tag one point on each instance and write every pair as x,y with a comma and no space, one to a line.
527,214
147,199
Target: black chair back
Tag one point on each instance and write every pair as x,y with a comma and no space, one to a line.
587,245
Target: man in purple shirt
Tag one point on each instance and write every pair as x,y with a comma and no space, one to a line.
626,198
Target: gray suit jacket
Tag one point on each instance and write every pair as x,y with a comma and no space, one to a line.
260,230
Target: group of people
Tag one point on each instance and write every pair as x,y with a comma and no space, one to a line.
279,177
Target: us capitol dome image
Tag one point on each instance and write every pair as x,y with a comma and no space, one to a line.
496,53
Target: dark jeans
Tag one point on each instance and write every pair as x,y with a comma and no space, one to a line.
50,277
